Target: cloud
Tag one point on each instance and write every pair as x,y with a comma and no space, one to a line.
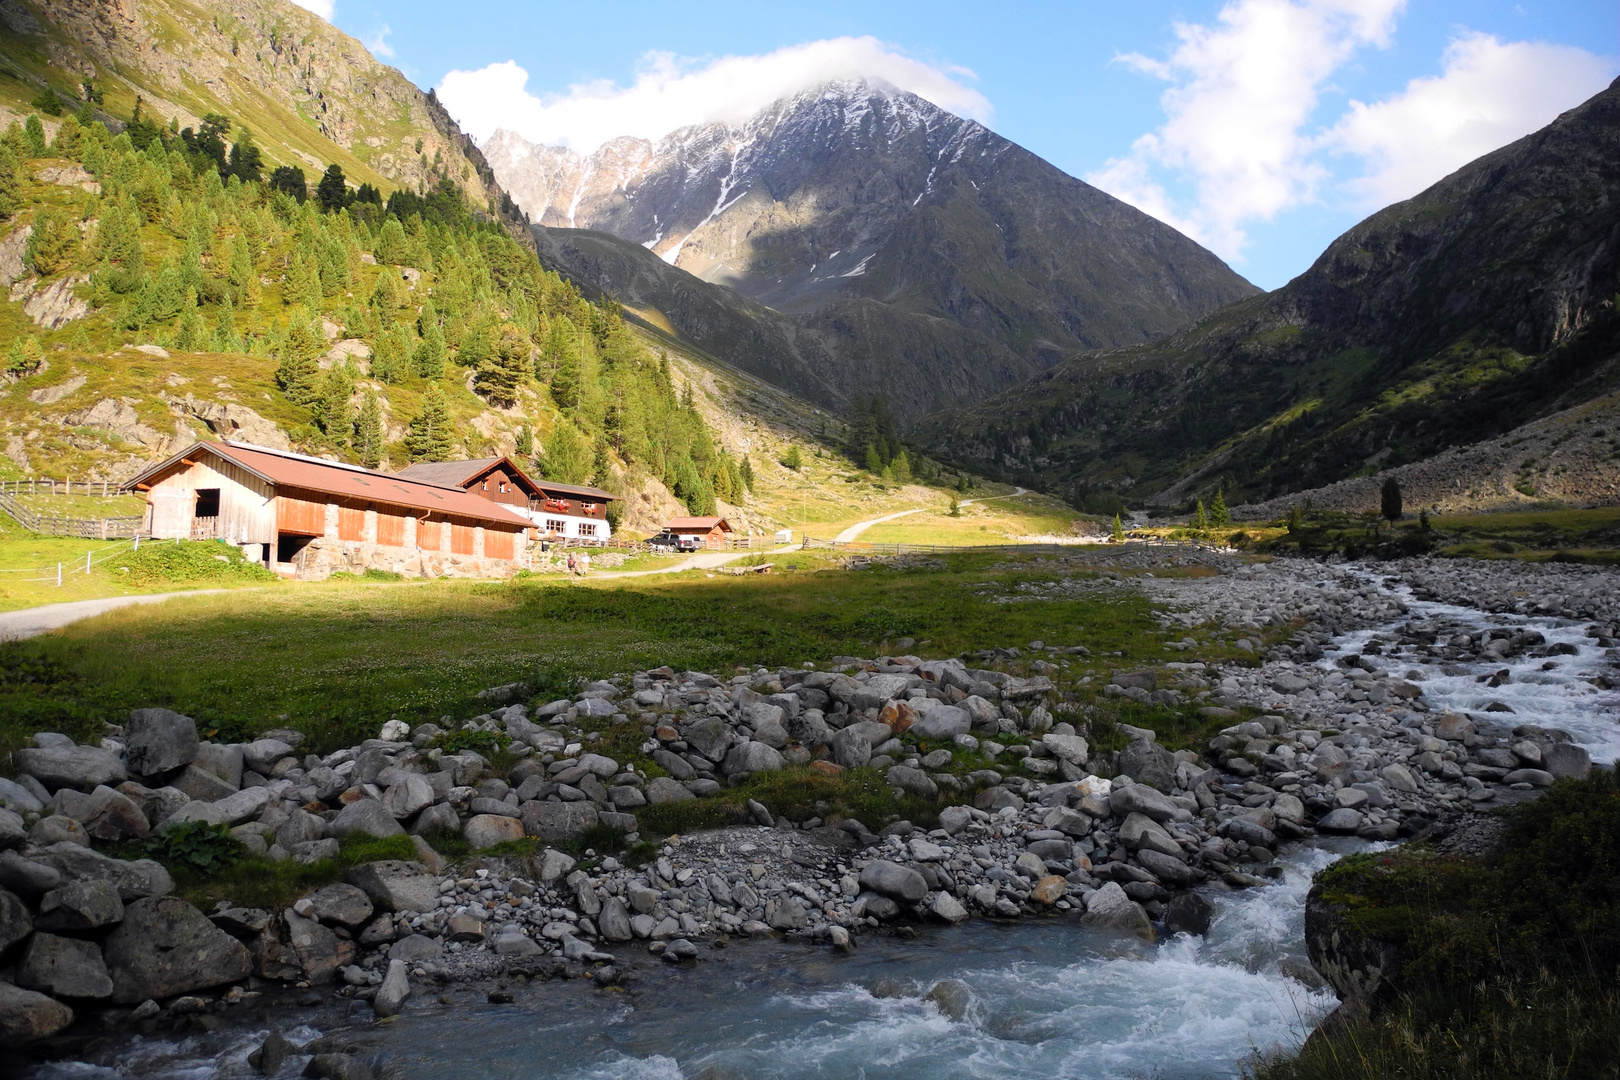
378,42
1242,93
669,92
323,8
1487,95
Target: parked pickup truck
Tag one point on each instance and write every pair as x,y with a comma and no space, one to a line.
668,541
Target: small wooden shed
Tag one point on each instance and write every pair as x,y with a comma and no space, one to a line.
709,531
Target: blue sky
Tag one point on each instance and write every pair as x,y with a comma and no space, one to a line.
1262,127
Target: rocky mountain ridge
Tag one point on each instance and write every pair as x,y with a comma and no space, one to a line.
859,209
1482,303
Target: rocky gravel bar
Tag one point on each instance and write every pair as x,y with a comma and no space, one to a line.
1319,744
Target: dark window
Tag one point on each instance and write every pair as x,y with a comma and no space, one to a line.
207,502
288,546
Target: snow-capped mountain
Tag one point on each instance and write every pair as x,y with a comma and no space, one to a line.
857,191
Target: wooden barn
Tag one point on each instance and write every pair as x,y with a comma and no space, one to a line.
709,531
306,517
559,511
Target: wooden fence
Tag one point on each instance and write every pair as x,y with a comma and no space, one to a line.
108,528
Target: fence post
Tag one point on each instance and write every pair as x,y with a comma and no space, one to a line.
58,575
87,564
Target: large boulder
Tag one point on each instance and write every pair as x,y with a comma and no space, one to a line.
1565,761
1170,871
557,822
662,789
409,795
26,1015
80,905
166,947
65,967
1070,748
1141,833
851,748
397,885
15,922
614,921
159,741
1140,799
223,761
133,879
943,723
366,817
108,814
1111,909
710,737
341,903
320,952
395,988
894,881
488,830
83,768
1148,763
752,757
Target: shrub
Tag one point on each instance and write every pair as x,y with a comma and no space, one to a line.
188,561
196,846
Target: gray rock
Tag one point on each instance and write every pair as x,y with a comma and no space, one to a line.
395,988
554,864
133,879
894,881
440,817
12,831
320,952
1148,763
243,805
18,799
166,947
558,823
942,723
808,728
1110,908
81,767
851,749
945,906
411,794
26,877
1170,871
951,997
1070,748
158,741
1140,832
1252,832
198,783
953,819
80,905
487,830
261,755
1141,799
709,736
662,789
772,734
752,757
913,781
311,852
674,764
1565,761
415,947
225,762
366,817
396,885
341,903
300,827
198,810
1342,820
1188,913
784,914
614,921
15,922
26,1015
1533,777
64,967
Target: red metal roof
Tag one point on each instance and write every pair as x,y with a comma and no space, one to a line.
700,524
348,481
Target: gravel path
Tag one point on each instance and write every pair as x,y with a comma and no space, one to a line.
854,531
29,622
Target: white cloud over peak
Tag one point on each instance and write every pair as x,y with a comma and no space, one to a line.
1487,95
323,8
1242,92
1243,139
669,92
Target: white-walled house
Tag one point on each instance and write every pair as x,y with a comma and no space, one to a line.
559,511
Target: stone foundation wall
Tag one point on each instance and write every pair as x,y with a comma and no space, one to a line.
326,556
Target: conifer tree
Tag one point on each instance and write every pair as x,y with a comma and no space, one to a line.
747,470
368,431
601,464
34,136
525,441
793,459
10,182
331,405
391,243
1200,519
503,369
332,192
567,457
54,242
1390,500
430,437
385,298
298,370
430,354
387,358
226,339
1219,516
1118,534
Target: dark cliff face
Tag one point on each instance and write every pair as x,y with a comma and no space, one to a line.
859,204
1481,303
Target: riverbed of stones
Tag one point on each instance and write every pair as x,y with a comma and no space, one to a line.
1046,827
